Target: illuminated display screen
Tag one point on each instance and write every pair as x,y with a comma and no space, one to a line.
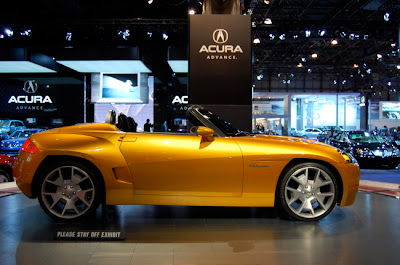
390,110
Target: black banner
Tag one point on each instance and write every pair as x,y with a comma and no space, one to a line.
220,60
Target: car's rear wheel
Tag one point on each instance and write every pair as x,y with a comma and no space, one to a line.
4,176
307,192
69,192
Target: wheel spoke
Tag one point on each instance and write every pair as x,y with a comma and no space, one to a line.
82,196
59,182
319,182
302,179
296,194
76,179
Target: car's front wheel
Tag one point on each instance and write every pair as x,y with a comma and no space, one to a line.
69,192
5,176
307,192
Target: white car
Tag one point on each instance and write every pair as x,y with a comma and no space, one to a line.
309,133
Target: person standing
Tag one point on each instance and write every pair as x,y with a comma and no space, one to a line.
147,126
164,127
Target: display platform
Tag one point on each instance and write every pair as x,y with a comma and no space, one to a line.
365,233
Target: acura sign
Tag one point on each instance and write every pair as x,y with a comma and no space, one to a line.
220,59
25,102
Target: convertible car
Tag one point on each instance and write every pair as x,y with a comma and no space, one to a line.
71,170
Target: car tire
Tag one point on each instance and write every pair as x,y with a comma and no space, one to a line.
69,192
307,192
5,176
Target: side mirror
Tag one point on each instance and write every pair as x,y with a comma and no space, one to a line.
206,134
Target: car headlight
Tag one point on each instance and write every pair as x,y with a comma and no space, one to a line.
364,152
347,156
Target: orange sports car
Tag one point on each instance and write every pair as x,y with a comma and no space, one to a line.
71,170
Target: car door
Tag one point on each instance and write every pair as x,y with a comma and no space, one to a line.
168,164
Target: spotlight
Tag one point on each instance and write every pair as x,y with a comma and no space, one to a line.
335,82
300,65
69,36
389,83
267,2
125,34
1,36
27,33
260,76
369,71
165,36
393,45
386,17
355,65
282,37
322,32
314,55
366,37
150,2
308,33
9,32
334,42
398,67
344,82
256,41
304,59
267,21
192,12
309,70
352,36
343,34
271,36
295,36
379,56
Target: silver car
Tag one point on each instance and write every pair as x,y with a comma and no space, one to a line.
309,133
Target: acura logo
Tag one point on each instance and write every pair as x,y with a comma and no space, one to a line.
220,36
30,86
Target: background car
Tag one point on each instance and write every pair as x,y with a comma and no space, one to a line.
13,142
6,164
309,133
9,126
369,150
71,170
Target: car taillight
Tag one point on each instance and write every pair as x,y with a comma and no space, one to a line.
29,147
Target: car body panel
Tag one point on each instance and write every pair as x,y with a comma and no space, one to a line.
140,168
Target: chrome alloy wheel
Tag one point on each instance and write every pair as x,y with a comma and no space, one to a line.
310,192
68,192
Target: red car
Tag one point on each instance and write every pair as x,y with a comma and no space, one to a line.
6,163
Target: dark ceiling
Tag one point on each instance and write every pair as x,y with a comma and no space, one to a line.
357,25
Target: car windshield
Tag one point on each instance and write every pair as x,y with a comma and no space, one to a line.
227,128
3,123
365,137
22,134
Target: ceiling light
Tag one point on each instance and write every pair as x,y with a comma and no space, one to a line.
398,67
1,36
308,33
150,1
300,65
322,32
149,34
268,21
27,33
282,37
314,55
165,36
192,12
393,45
260,76
342,34
256,41
125,34
379,56
304,59
295,36
335,82
309,70
369,71
389,83
334,42
69,36
271,36
386,17
267,2
344,82
9,32
351,36
355,65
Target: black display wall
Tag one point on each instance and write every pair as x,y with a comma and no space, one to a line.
52,101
